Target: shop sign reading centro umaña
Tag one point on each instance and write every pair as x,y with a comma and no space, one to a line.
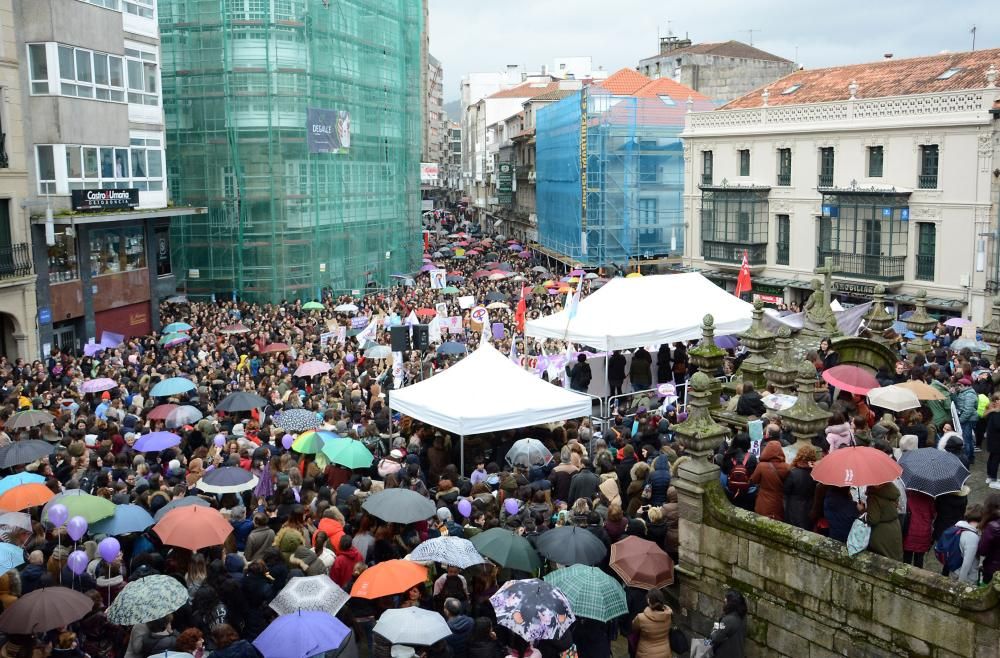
105,199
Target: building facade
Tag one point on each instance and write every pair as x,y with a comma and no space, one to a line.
434,127
94,151
298,124
721,71
18,334
889,170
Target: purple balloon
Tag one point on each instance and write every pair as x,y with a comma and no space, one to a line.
219,440
349,358
58,515
511,506
465,508
76,528
287,441
109,548
77,560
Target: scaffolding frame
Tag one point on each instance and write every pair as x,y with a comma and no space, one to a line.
282,223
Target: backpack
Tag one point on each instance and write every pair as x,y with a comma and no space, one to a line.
948,550
739,477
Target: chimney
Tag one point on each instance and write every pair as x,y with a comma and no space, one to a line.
671,43
887,56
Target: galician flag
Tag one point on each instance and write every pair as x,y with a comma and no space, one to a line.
743,280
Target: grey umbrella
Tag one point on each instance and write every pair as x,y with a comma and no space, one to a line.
932,471
452,348
399,506
26,419
571,545
24,452
180,502
496,296
241,401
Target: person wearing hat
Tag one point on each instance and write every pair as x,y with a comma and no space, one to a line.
102,409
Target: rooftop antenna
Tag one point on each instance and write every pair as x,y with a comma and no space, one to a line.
750,32
973,32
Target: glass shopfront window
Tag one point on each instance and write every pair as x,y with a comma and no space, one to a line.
114,250
63,263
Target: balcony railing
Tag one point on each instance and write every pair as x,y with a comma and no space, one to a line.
925,267
785,179
732,252
825,180
927,181
15,260
706,179
877,268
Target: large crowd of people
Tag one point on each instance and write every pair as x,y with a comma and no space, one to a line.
306,516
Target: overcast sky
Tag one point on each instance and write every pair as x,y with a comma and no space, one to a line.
486,35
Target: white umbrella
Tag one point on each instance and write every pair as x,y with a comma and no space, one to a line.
184,415
894,398
528,452
310,593
412,626
346,308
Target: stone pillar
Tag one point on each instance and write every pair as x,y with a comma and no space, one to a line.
877,319
781,371
805,418
919,323
991,332
759,341
700,435
708,357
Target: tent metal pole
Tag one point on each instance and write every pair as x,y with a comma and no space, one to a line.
461,455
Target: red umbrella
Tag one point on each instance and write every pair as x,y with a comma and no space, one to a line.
161,412
237,328
480,274
850,378
492,264
856,466
275,347
427,312
193,527
455,273
641,563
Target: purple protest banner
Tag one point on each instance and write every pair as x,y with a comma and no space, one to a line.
497,330
359,322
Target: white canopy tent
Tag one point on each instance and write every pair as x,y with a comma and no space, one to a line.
649,310
486,392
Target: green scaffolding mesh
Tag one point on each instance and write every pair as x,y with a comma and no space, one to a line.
238,76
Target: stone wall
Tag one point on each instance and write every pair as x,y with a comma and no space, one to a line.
808,599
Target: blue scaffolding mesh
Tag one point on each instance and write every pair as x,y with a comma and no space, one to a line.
634,170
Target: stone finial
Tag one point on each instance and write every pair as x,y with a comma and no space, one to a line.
765,95
991,77
853,89
690,104
784,332
699,433
707,355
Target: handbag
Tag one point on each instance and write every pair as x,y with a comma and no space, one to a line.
858,537
679,642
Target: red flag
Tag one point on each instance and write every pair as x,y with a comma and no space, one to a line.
519,313
427,242
743,280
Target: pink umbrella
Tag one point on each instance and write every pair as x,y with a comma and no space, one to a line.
525,254
577,273
180,340
161,412
98,385
237,328
428,267
275,347
480,274
311,368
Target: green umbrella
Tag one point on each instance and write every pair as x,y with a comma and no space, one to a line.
539,290
348,453
146,599
79,503
591,592
450,290
507,549
313,306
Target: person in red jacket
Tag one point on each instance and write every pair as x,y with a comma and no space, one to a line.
347,558
332,524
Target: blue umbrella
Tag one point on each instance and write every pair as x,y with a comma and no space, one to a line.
127,518
172,386
11,556
727,342
451,348
302,634
177,326
899,327
974,345
11,481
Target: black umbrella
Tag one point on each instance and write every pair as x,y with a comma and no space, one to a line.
399,506
932,471
24,452
180,502
496,296
241,401
571,545
43,610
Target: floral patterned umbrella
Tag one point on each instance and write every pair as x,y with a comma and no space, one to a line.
146,599
533,609
453,551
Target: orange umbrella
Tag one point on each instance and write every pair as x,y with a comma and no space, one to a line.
193,527
24,496
387,578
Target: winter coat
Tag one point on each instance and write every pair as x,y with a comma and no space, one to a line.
592,638
920,529
729,639
839,436
32,578
968,543
640,370
624,472
993,432
653,627
659,480
461,628
583,485
769,476
800,488
967,403
238,649
840,510
883,517
663,371
580,376
484,649
750,404
989,549
672,517
257,594
258,541
950,509
616,368
343,566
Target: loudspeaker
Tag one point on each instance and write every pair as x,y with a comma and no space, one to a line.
399,338
421,337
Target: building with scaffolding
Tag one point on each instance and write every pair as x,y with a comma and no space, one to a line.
298,124
610,170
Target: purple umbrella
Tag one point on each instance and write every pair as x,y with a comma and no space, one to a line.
98,385
727,342
180,340
428,267
90,349
505,266
576,272
515,247
156,441
302,634
525,254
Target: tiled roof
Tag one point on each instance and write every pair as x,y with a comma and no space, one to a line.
526,90
667,87
725,49
554,95
892,77
625,82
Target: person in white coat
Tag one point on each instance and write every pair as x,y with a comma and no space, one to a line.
968,544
